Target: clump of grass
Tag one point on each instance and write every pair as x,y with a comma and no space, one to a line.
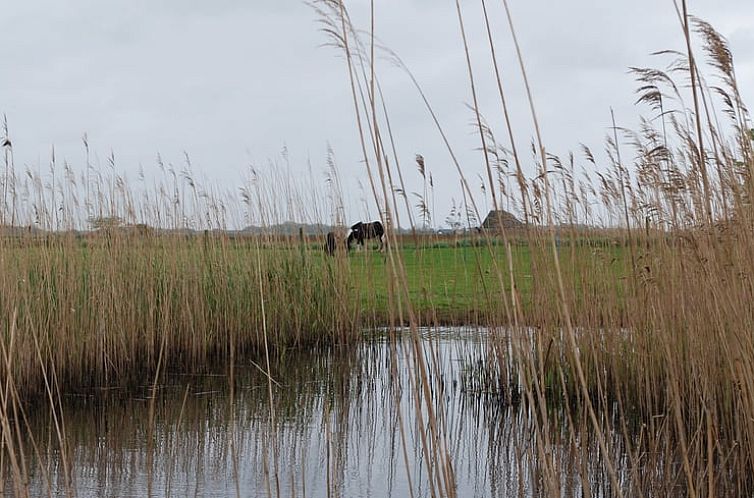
665,342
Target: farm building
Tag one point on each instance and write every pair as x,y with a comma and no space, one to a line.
494,218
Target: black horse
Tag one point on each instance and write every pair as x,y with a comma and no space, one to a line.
330,243
364,231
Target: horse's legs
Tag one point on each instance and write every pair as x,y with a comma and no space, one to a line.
349,240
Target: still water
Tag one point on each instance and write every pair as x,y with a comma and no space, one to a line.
340,423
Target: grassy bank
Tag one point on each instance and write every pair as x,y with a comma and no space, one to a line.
110,309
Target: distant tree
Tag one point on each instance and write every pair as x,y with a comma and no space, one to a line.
105,222
455,218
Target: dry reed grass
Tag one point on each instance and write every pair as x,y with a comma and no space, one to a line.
662,355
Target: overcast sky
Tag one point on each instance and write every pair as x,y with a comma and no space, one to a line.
231,82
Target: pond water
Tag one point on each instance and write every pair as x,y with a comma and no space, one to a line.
328,423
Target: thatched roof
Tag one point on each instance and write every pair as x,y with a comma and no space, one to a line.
495,218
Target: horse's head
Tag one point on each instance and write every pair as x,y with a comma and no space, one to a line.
330,243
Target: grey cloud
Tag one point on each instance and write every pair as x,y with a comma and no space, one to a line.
231,81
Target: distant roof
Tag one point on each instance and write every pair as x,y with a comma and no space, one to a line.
495,218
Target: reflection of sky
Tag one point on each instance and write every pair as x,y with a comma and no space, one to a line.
332,413
232,82
337,427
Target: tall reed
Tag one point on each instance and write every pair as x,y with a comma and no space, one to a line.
153,280
620,314
638,318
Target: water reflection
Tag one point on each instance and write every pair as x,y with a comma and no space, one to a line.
340,423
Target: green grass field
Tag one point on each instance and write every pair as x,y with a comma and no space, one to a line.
465,283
